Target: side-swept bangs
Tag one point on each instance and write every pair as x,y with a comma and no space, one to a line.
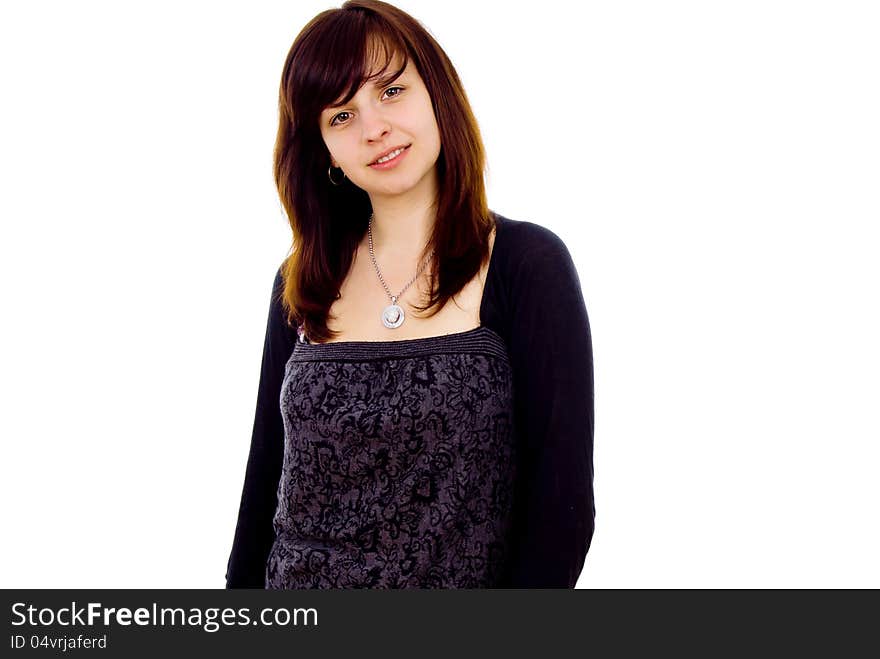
332,67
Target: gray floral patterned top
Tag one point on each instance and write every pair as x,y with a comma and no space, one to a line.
398,464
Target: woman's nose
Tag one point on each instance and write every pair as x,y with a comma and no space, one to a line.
376,126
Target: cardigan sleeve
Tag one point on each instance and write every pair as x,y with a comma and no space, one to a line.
551,352
254,533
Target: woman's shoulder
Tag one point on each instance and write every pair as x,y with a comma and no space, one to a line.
519,240
536,282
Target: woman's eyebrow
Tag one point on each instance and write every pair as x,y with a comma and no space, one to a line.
391,77
381,82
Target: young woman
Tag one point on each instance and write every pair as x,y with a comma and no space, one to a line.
425,408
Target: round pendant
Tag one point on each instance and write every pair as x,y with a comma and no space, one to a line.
392,317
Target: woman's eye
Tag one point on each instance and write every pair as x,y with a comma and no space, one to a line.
334,121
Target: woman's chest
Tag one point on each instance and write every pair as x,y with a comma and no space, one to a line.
358,314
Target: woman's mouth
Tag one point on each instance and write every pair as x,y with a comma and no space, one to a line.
395,158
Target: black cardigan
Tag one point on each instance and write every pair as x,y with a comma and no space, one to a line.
533,300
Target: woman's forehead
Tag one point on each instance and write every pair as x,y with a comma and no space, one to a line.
383,64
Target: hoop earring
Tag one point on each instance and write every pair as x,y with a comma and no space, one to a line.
331,177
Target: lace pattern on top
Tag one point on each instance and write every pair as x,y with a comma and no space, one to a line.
399,464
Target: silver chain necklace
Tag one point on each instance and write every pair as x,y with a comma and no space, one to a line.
392,315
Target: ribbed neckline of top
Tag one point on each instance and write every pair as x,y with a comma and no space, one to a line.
480,339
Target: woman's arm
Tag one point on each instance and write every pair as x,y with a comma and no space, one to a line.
254,534
551,352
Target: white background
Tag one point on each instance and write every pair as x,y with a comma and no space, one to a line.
713,168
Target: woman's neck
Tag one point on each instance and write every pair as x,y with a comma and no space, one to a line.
401,232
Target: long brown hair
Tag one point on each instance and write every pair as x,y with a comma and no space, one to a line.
329,57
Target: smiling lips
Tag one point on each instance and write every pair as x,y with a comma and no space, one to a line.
389,158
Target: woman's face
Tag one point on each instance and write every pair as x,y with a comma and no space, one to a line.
378,119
